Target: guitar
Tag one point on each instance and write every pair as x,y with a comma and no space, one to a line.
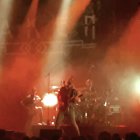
32,103
68,98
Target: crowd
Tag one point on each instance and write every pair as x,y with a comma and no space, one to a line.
103,135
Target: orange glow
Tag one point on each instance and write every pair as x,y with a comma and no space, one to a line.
21,72
130,41
31,14
124,54
28,25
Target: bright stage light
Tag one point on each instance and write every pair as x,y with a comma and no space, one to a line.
54,87
57,52
50,100
137,85
5,17
65,5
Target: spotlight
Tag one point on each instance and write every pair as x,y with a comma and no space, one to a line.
50,100
137,85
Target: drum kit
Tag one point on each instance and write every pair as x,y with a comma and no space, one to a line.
98,109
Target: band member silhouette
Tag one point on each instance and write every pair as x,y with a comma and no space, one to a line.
67,96
32,103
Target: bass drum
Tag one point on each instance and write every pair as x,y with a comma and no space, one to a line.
84,117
